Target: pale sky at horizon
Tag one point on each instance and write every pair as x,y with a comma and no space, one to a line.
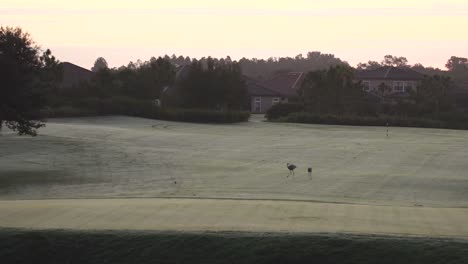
424,31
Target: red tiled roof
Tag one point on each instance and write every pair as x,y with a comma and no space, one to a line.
287,84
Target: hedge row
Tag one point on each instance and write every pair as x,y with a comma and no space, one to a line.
140,108
283,109
308,118
204,116
67,111
106,106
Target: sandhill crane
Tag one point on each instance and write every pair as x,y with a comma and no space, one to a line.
291,168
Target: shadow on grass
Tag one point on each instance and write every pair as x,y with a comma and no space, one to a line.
12,180
25,246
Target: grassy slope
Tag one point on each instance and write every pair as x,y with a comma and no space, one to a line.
23,246
189,215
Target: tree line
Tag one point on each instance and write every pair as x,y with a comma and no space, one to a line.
457,67
265,68
216,86
209,84
334,91
333,96
31,80
261,69
142,81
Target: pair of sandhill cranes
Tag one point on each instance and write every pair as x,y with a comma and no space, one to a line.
291,167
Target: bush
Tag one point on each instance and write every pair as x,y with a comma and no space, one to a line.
283,109
109,106
455,119
122,105
67,111
204,116
399,121
86,103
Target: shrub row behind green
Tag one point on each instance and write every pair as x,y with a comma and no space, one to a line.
66,111
204,116
141,108
128,106
283,109
308,118
107,106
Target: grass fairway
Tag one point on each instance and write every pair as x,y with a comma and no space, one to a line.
131,157
22,246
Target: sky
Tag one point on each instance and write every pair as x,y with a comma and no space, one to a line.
424,31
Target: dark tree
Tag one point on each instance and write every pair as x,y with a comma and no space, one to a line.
433,94
388,60
331,91
395,61
457,64
370,65
100,64
25,76
51,75
214,85
140,80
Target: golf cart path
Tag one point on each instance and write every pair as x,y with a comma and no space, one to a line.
198,215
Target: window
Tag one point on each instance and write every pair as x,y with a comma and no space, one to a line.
409,86
275,100
366,85
398,87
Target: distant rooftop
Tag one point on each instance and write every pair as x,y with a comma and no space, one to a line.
74,74
389,73
256,88
286,84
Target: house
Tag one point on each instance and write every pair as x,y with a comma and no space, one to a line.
261,98
262,95
283,87
74,75
389,81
